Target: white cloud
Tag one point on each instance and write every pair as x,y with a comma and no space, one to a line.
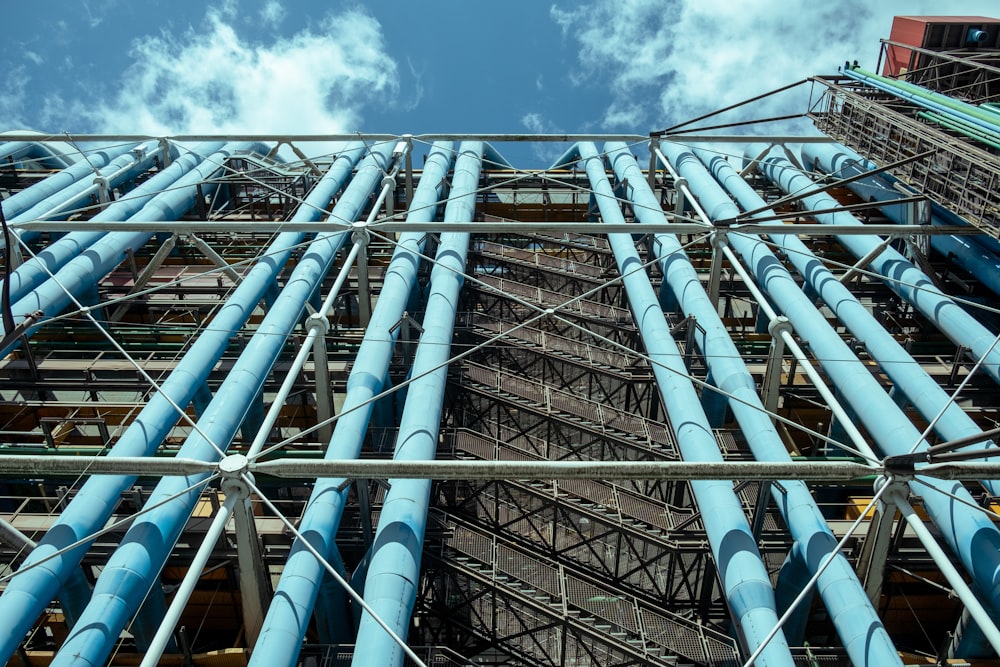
92,20
33,57
272,12
13,84
668,61
210,80
536,123
418,86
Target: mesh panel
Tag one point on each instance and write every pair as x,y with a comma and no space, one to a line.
602,603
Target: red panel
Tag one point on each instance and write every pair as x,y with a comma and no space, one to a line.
917,31
906,30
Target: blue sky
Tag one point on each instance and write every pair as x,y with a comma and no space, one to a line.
312,66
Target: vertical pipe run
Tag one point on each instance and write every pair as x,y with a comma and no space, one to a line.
903,278
743,575
290,611
394,567
975,254
133,566
856,621
36,271
26,199
970,534
27,594
932,401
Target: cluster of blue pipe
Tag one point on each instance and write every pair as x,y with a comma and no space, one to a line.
128,587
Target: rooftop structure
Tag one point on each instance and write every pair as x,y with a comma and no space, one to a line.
390,399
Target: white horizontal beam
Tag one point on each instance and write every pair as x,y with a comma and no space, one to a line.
41,465
592,228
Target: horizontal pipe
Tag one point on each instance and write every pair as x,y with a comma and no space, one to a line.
295,468
519,137
13,464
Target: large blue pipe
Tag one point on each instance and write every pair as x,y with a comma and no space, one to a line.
856,621
970,534
28,594
744,577
923,392
82,272
60,204
292,606
134,566
394,568
965,251
38,270
19,151
902,277
21,201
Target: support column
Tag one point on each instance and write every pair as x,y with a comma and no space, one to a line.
321,371
361,237
408,159
871,563
144,277
654,145
715,273
255,580
775,361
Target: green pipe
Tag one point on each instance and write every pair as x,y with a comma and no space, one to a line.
991,139
937,98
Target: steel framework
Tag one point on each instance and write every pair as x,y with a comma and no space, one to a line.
536,549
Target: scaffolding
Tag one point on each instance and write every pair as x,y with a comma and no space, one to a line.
548,367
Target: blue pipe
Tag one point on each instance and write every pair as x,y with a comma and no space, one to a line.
394,567
292,605
37,270
743,575
19,151
60,204
28,594
134,566
969,534
81,274
856,621
920,389
21,201
903,278
965,251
